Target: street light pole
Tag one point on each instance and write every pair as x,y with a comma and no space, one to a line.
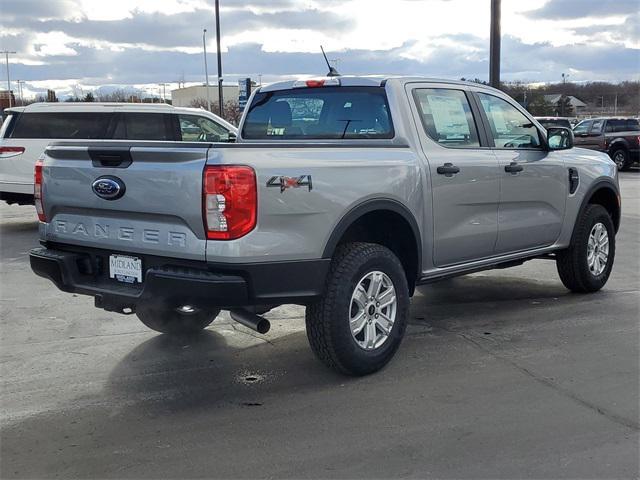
206,70
6,56
494,45
220,98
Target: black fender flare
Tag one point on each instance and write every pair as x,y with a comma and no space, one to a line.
618,143
599,184
383,204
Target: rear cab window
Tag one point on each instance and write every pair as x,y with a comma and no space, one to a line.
319,113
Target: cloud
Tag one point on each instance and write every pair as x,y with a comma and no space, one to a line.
186,27
141,43
572,9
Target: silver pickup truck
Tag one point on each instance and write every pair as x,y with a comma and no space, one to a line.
342,194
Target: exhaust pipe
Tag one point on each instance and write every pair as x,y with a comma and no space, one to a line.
251,320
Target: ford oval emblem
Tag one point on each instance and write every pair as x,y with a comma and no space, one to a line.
109,188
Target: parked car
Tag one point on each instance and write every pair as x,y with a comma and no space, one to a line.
342,194
547,122
618,137
26,132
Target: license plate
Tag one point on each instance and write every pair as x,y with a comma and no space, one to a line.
125,269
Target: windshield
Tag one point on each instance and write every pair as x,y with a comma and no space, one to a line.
319,113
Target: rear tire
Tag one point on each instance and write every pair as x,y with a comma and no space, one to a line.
348,330
621,159
176,321
586,265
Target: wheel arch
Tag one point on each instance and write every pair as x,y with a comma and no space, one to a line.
357,225
605,193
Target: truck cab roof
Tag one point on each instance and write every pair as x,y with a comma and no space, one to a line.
365,81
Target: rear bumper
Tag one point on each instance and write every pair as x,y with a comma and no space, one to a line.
174,282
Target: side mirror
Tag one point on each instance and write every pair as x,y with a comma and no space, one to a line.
232,137
559,138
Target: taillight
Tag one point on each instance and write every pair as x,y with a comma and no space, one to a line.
6,151
229,201
37,190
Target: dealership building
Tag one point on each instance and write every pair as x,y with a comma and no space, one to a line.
188,96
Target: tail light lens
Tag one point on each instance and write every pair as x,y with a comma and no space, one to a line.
37,190
230,201
7,152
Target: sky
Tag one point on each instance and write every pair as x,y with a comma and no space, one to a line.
75,46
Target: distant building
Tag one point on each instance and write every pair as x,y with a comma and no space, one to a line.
4,99
578,105
186,97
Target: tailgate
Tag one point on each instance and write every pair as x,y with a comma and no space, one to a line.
159,213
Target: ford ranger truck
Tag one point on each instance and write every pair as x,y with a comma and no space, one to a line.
342,194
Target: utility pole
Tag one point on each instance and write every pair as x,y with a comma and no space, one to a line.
206,70
6,56
164,93
494,45
220,98
20,83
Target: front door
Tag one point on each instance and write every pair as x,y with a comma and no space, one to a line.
464,177
533,181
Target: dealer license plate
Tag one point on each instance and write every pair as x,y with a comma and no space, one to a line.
125,269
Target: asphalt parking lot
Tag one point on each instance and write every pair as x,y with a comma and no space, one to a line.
503,374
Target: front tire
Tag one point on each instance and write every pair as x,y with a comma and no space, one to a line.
621,159
586,265
176,321
358,324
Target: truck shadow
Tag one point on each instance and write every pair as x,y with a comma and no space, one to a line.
170,375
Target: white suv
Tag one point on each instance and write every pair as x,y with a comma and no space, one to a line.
26,132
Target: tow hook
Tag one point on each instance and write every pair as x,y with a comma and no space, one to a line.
251,320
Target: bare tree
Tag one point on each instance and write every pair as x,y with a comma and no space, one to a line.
231,112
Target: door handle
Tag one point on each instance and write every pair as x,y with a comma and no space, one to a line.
513,168
448,169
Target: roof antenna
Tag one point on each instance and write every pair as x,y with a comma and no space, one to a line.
332,71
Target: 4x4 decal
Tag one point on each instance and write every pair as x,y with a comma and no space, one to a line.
290,182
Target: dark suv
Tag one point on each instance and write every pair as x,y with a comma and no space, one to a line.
619,137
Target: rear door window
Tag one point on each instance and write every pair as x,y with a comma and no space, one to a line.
446,117
144,126
319,113
62,125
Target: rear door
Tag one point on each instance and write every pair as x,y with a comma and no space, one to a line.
464,175
533,181
159,212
